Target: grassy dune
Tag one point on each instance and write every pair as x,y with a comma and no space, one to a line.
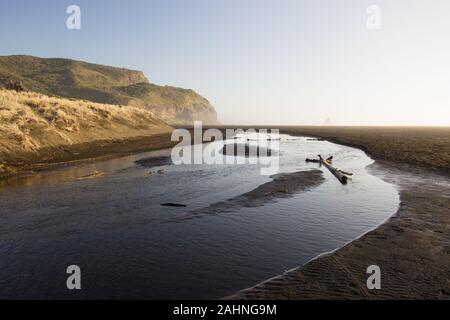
32,122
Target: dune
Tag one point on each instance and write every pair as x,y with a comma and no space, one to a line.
35,128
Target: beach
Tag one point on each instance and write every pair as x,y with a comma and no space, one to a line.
411,248
39,131
98,150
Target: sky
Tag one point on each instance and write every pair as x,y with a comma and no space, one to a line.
279,62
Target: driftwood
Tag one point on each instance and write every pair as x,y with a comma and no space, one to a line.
346,173
336,172
339,174
329,159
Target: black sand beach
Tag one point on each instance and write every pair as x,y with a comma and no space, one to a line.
411,248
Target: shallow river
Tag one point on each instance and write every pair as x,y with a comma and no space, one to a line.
129,246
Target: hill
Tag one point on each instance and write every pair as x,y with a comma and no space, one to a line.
105,84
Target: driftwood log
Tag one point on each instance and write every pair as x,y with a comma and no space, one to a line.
336,172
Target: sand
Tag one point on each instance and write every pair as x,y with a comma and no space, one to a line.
155,162
281,185
412,248
427,147
60,156
37,131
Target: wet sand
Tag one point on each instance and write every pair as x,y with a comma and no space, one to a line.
427,147
154,162
282,185
49,158
412,248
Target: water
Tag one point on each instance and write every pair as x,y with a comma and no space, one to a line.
114,228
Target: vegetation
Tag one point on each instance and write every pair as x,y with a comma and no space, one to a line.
104,84
30,122
15,85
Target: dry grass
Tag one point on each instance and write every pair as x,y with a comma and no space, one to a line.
105,84
30,122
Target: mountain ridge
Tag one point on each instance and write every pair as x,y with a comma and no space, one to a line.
106,84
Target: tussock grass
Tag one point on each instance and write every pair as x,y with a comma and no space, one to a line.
30,121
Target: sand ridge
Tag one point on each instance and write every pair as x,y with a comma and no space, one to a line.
412,247
281,185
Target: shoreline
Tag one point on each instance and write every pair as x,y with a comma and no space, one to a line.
99,150
281,185
411,246
424,147
242,293
63,155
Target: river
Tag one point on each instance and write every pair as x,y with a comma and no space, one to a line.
128,246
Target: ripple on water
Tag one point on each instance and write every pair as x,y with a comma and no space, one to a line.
113,226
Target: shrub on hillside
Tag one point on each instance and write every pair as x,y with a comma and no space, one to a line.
15,85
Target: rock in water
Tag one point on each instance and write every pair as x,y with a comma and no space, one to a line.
170,204
154,162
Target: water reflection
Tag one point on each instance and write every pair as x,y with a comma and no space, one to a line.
113,227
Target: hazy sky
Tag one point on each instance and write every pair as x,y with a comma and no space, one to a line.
259,61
